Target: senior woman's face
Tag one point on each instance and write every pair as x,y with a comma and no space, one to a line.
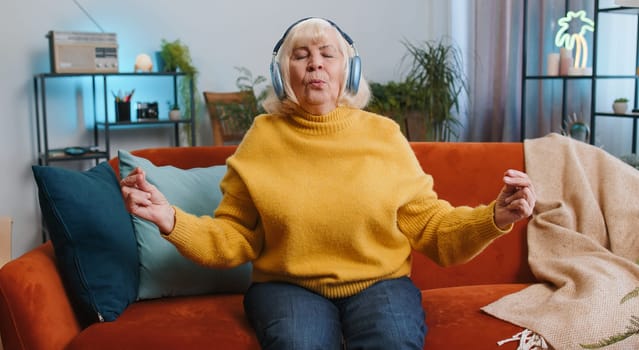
317,73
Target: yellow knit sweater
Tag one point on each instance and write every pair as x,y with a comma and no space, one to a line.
332,203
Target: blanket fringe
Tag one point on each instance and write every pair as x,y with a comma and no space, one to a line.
528,340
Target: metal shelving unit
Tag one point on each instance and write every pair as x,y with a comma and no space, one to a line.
100,149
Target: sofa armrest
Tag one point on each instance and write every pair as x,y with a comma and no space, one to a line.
35,312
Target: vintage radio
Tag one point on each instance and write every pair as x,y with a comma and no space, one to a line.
83,52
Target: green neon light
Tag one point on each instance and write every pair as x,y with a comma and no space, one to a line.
568,40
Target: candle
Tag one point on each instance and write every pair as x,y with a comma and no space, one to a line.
552,64
565,61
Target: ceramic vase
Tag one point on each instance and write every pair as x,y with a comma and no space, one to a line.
620,107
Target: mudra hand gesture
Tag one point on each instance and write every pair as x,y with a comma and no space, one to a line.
516,200
144,200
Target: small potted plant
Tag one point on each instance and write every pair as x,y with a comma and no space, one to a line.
620,105
174,111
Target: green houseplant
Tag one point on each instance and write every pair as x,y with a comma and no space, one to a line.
243,113
391,99
437,81
176,57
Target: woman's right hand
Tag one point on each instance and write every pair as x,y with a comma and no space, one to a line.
144,200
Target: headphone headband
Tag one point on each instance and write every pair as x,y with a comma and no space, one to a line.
281,41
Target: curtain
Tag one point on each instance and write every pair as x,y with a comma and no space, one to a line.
490,34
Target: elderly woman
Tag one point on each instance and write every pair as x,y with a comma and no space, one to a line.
328,201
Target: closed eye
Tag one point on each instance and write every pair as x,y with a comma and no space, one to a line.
328,51
300,54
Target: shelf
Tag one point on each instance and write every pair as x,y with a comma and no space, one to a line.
578,77
142,123
621,10
58,154
626,115
141,74
556,77
616,77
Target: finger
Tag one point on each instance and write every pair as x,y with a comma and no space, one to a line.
521,208
131,178
142,184
135,171
139,198
515,173
513,189
519,184
524,193
128,181
512,173
134,195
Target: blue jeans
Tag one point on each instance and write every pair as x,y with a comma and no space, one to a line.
387,315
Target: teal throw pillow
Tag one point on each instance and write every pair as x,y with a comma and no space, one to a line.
163,270
92,234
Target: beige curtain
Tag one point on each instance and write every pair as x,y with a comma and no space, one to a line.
493,30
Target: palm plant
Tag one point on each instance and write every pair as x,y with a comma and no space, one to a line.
437,81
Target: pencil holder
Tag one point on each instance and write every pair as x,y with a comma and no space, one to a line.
122,111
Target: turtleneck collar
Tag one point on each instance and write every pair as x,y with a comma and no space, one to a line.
337,120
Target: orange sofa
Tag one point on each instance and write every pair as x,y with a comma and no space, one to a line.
35,312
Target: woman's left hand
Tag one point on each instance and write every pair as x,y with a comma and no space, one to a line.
516,200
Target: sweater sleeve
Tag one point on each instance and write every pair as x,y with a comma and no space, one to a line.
446,234
229,238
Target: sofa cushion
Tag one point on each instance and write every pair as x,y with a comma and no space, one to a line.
193,322
93,238
455,320
163,270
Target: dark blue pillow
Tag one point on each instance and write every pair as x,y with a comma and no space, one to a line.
93,237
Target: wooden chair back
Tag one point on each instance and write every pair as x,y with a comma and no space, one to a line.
228,129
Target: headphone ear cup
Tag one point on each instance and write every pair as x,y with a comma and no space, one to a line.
355,74
276,78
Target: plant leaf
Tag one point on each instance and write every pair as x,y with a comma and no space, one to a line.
633,294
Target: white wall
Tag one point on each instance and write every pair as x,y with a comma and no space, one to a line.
220,34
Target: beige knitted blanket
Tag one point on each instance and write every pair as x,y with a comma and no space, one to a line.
583,243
